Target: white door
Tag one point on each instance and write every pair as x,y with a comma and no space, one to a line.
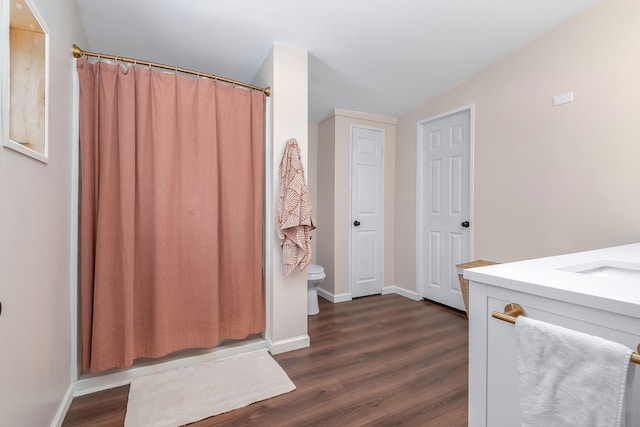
445,205
367,207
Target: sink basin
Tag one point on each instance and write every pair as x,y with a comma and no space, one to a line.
614,273
609,269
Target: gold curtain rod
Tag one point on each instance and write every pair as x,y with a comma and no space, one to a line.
77,53
512,311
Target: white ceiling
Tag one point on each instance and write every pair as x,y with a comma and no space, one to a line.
376,56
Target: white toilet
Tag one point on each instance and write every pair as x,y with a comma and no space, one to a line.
315,275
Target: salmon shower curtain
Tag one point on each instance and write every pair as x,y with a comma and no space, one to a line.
171,213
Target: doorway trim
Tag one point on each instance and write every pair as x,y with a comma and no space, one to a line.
351,171
421,270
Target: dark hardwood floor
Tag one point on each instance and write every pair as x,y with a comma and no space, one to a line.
379,360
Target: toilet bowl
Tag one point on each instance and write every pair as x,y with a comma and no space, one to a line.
315,275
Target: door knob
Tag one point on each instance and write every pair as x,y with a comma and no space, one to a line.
465,224
356,223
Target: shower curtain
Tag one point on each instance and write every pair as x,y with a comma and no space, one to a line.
171,239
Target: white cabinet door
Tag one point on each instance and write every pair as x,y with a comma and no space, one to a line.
494,399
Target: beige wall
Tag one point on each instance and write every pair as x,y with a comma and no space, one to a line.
312,181
548,180
35,245
325,236
334,176
285,70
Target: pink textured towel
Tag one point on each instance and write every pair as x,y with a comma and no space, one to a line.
295,215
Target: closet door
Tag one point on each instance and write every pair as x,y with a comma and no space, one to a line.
367,210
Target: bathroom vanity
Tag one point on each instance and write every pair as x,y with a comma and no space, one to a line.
595,292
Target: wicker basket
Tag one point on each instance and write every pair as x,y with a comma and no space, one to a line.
464,283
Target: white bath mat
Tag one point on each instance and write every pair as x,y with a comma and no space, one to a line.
186,395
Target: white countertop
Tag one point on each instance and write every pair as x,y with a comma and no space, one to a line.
549,277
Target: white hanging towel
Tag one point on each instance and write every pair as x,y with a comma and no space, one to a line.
568,378
295,214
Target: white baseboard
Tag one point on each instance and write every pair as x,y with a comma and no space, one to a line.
93,383
400,291
63,407
334,298
385,290
289,344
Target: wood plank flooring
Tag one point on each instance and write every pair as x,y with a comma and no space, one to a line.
383,360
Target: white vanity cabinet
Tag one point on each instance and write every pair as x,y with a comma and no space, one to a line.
552,290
